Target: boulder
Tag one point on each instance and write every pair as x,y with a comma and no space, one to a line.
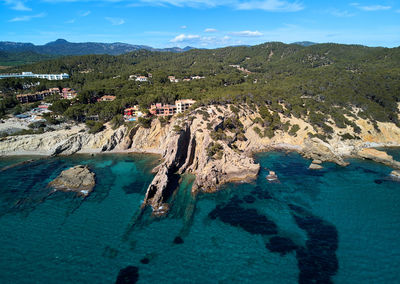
78,179
315,166
395,174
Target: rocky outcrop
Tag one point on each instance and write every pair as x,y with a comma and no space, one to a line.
315,148
187,150
395,175
378,156
315,166
67,141
114,140
77,179
188,144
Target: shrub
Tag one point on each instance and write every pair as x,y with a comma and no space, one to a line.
144,122
215,150
117,121
95,126
294,130
258,131
177,128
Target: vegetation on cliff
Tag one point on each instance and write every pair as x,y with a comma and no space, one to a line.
318,83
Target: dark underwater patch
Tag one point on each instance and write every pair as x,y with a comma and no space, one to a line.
378,181
128,275
145,260
317,261
178,240
249,199
135,187
261,193
281,245
110,252
248,219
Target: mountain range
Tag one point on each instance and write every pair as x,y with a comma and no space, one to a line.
64,47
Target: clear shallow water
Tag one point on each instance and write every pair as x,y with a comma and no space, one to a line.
339,224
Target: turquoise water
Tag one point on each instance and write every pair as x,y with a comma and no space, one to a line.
338,225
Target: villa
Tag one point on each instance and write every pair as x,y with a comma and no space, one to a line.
133,113
68,93
38,96
159,109
106,98
183,105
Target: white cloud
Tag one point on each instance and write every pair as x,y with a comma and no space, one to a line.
266,5
183,37
115,21
271,6
85,14
247,33
27,18
371,8
183,27
70,21
209,30
204,41
341,14
17,5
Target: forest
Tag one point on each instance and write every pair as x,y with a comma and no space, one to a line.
317,83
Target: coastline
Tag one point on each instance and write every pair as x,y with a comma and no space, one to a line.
195,144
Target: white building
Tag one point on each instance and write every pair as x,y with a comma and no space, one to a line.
183,105
141,79
61,76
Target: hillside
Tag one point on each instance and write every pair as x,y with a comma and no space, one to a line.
21,58
63,47
321,83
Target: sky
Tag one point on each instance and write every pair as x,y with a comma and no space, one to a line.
201,23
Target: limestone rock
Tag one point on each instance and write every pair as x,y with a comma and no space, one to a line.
395,174
78,179
319,150
315,166
378,156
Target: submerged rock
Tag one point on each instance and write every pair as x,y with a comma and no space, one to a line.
78,179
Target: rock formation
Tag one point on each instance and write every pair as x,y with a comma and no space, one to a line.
214,143
395,174
314,166
186,150
379,156
78,179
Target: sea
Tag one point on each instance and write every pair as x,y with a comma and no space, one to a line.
336,225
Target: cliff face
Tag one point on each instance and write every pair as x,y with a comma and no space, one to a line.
64,142
214,143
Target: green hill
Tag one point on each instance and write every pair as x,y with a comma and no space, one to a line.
319,82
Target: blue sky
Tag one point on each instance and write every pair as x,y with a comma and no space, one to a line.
208,23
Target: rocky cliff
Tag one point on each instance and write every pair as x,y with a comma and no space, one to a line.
214,143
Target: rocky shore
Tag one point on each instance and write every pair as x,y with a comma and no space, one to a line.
213,143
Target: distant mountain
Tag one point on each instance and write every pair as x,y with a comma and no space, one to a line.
63,47
305,43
